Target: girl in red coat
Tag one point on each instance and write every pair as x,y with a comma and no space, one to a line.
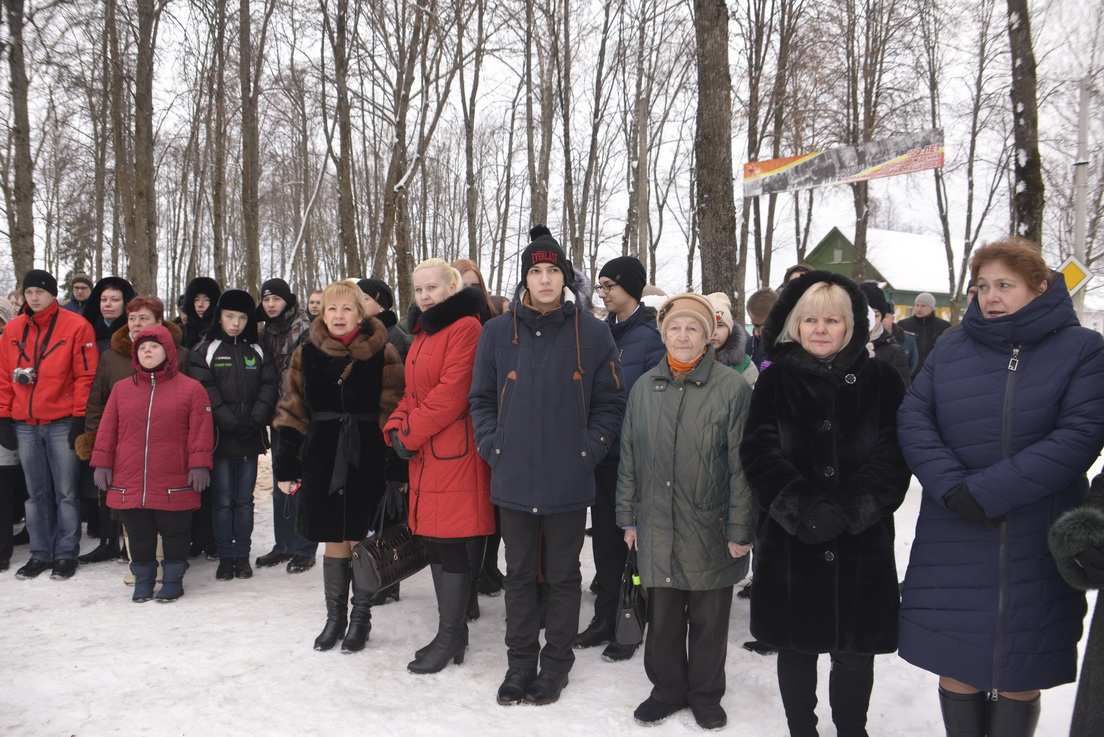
449,483
153,457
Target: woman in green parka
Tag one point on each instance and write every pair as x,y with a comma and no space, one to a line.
687,510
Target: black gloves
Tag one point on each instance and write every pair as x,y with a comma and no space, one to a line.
1092,562
101,477
76,429
822,522
960,501
199,479
7,433
399,448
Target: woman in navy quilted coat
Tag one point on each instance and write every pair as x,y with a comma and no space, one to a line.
999,426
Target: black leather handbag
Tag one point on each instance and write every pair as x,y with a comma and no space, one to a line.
632,610
390,552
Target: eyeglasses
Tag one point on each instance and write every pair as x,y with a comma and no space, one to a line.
605,288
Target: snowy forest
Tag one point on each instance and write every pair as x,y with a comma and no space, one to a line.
319,139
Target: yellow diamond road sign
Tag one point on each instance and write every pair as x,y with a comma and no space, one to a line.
1076,274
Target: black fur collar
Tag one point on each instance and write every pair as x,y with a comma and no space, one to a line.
847,359
464,303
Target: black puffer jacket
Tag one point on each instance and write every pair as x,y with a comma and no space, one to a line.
281,336
887,350
243,385
104,330
196,328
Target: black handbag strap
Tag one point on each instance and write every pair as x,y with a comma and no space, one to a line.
391,507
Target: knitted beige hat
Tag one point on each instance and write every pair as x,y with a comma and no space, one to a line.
689,305
722,308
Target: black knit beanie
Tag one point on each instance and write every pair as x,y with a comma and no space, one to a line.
543,249
629,274
41,279
277,287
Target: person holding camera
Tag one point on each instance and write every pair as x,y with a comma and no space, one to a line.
47,365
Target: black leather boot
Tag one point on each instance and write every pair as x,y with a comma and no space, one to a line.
336,575
964,715
452,628
360,621
598,632
475,550
1009,718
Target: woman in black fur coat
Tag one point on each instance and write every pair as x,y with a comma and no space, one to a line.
821,455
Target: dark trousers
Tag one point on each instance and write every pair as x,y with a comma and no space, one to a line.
144,525
562,536
285,515
849,686
607,543
11,493
451,555
203,530
233,482
686,645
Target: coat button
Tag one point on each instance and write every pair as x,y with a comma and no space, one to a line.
826,426
829,556
535,510
582,453
498,452
829,472
538,333
667,580
668,483
850,379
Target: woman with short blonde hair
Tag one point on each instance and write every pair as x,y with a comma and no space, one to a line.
821,298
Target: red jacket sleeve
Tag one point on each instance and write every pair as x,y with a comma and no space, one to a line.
201,429
5,377
107,435
85,360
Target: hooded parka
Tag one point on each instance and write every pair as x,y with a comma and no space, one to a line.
155,428
680,480
449,483
103,329
195,328
1012,407
824,432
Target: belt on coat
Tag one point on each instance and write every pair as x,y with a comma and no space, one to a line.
348,443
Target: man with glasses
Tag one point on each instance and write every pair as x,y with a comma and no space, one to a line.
620,286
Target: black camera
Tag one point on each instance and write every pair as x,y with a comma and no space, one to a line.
25,376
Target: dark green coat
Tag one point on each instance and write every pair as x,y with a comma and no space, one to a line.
680,481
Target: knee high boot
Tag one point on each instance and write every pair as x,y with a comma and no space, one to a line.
964,715
452,627
336,575
436,570
475,550
360,621
1009,718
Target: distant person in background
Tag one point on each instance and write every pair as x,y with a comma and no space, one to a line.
905,339
15,299
925,326
652,296
314,304
730,339
795,271
758,306
200,297
80,288
473,278
883,343
501,304
106,308
379,302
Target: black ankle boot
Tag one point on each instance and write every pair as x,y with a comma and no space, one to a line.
964,715
360,621
336,575
1009,718
452,628
108,549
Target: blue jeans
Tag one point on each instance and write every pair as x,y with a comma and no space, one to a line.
285,518
233,481
51,469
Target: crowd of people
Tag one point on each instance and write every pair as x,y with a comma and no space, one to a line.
708,452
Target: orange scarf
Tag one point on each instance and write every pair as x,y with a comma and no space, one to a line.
680,368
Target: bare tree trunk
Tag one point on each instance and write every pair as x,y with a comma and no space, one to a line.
338,35
1029,194
218,133
716,209
22,196
142,252
471,199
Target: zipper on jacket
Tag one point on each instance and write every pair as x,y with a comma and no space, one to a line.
145,452
30,397
1002,547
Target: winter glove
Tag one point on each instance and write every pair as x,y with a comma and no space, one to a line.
1092,562
399,448
101,477
960,501
199,479
76,429
7,434
823,521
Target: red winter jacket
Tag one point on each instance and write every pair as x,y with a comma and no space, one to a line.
449,483
156,426
66,365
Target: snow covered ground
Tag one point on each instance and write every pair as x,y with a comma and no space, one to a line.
235,658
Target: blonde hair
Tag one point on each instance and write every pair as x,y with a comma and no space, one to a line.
452,274
345,289
820,299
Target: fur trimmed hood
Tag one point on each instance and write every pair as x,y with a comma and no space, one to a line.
372,339
91,310
468,302
851,354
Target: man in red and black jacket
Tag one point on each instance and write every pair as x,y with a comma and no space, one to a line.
48,359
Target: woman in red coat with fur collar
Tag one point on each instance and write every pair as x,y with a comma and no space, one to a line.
450,499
